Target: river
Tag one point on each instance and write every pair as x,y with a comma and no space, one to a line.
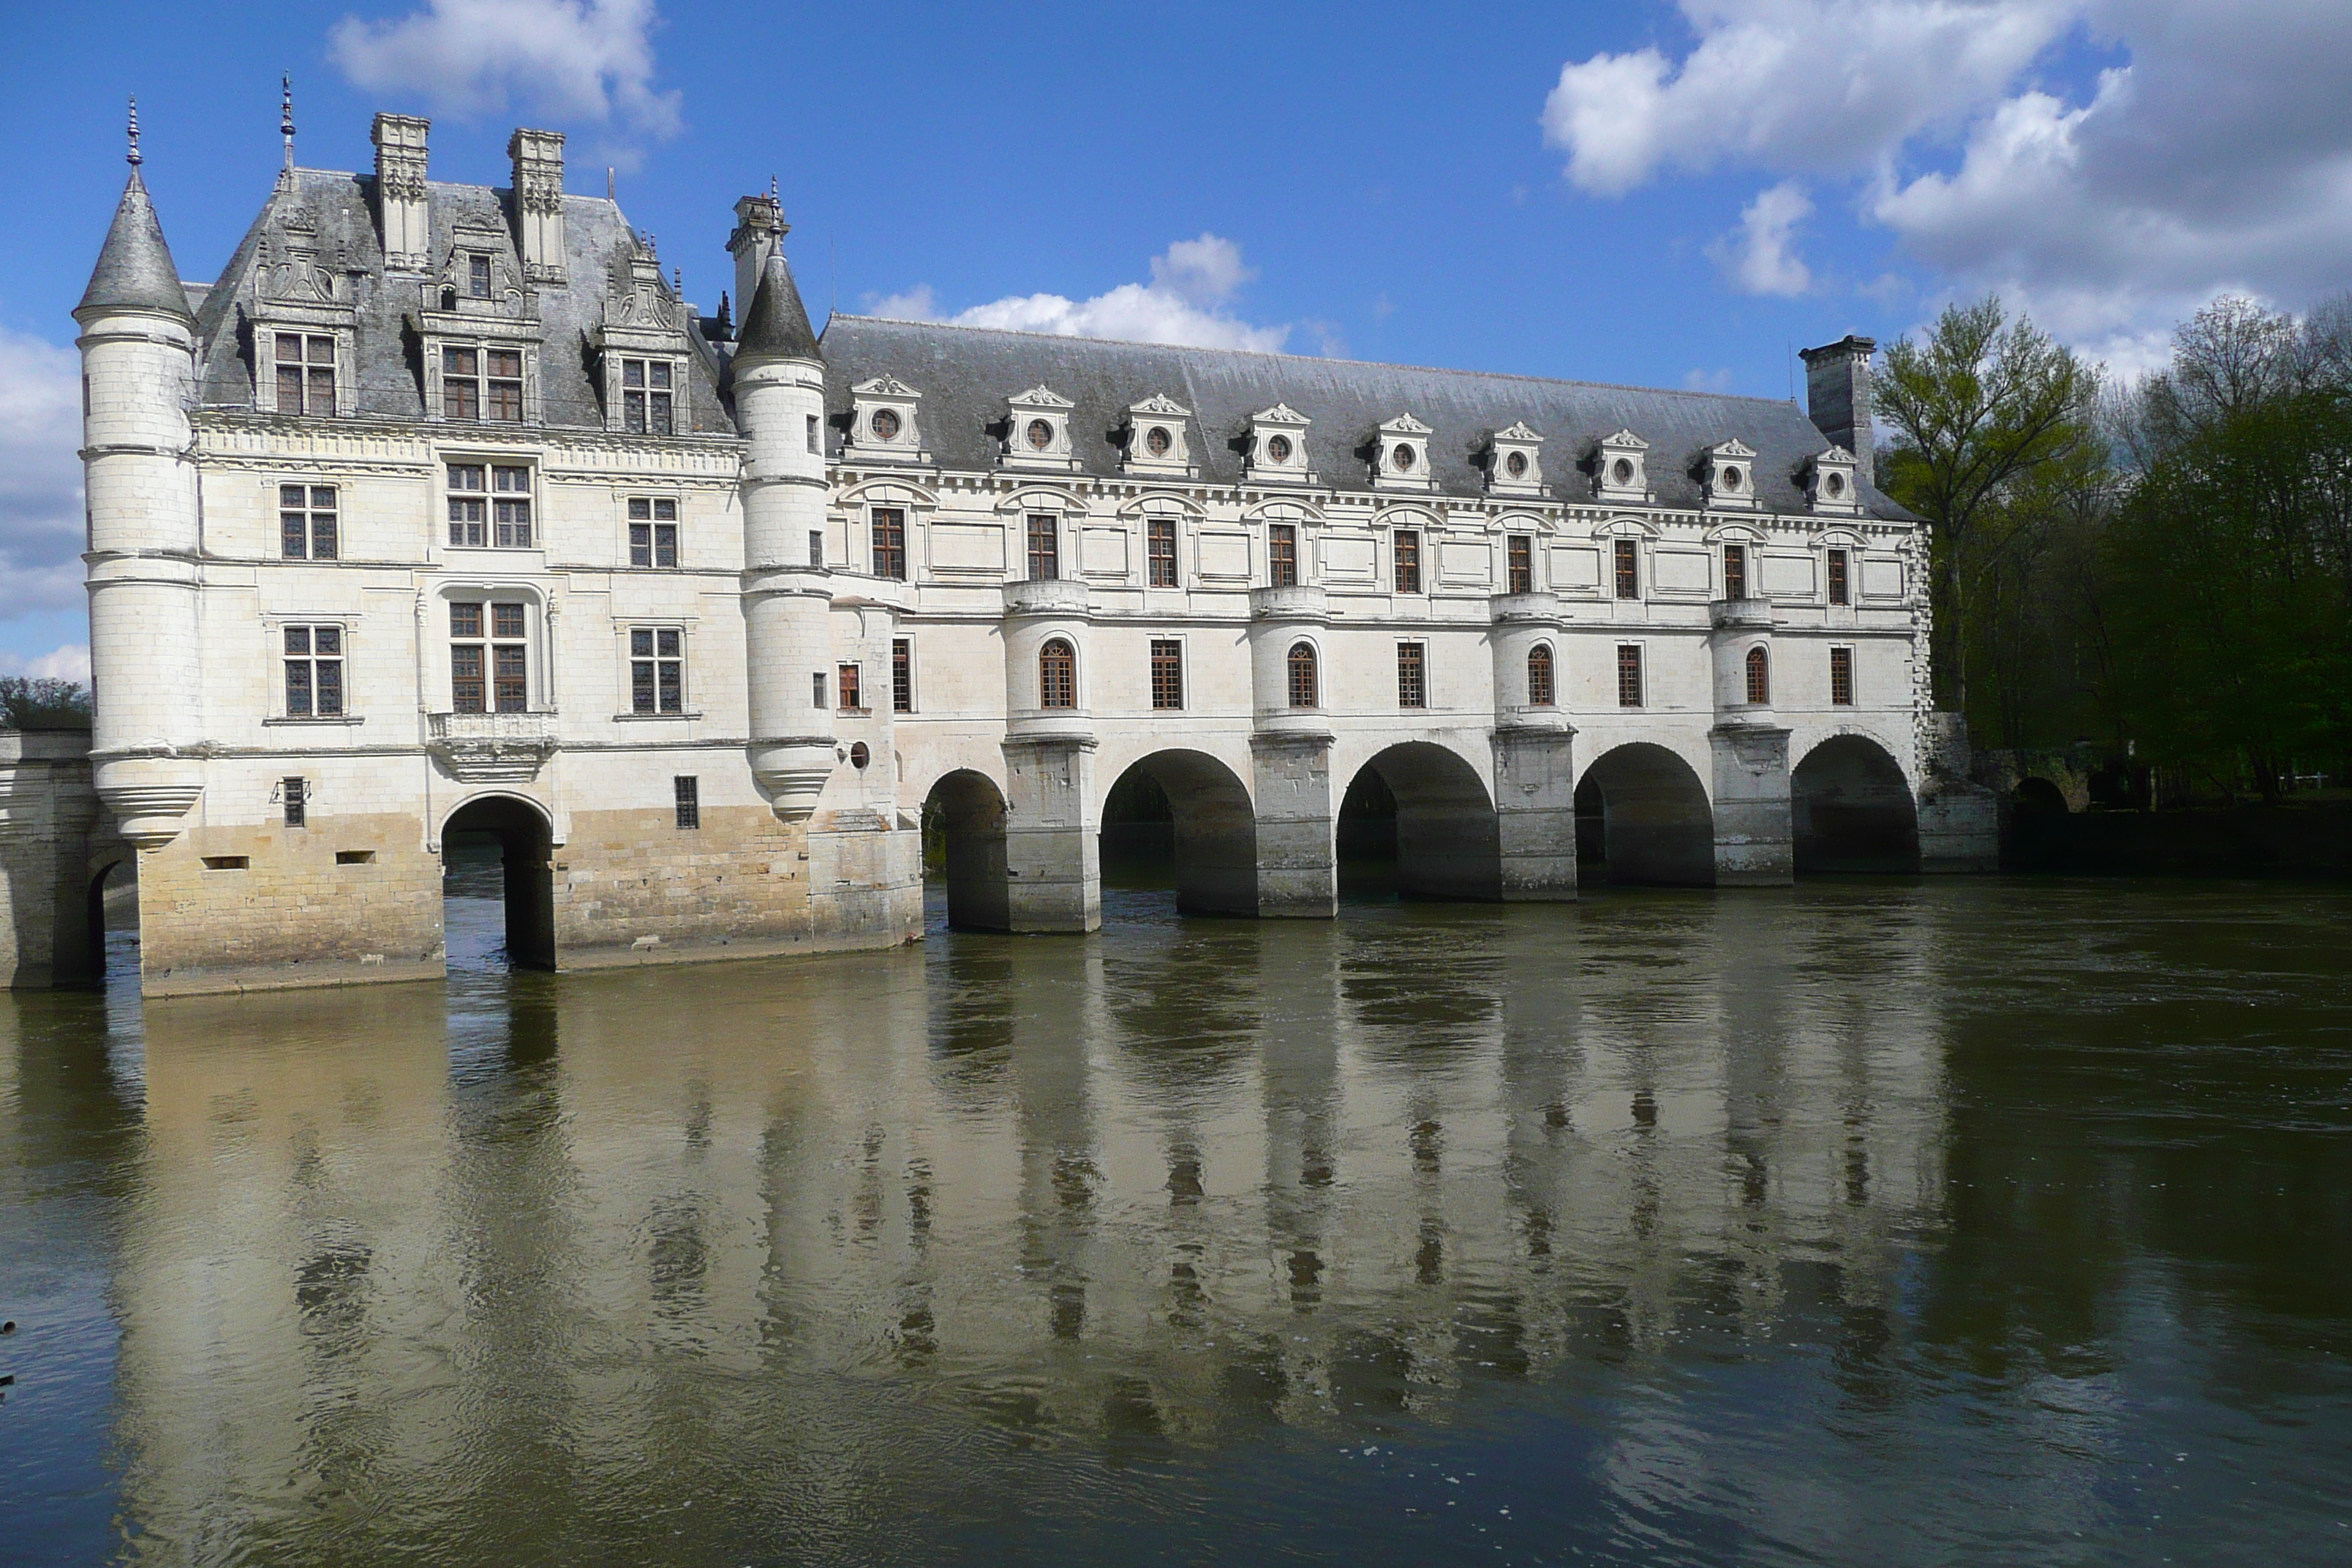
1869,1223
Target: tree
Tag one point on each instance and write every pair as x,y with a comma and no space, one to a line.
39,702
1983,405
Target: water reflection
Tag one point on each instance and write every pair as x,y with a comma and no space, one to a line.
1868,1223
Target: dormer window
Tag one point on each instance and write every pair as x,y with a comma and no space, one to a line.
1040,433
481,383
1832,483
646,396
477,277
1729,474
1278,447
1156,439
1401,455
306,373
1513,465
1620,468
883,422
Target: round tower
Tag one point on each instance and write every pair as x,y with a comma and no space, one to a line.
779,383
138,359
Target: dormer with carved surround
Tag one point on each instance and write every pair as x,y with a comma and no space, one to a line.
1037,434
1727,473
304,337
1619,469
1515,462
1156,439
1277,447
481,332
885,423
642,351
1401,456
1830,483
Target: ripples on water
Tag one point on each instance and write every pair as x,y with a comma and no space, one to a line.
1864,1223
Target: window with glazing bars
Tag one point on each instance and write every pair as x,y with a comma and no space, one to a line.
647,397
481,383
1167,673
306,522
891,543
685,790
652,531
1044,547
1303,683
657,670
477,277
1735,571
1837,577
902,675
1282,555
1058,675
296,794
1629,569
1760,677
1629,675
1540,686
1412,675
853,698
1841,677
1408,560
499,515
488,673
314,672
1519,552
1159,551
306,373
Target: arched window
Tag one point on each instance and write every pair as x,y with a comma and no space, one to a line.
1058,675
1302,675
1760,677
1540,687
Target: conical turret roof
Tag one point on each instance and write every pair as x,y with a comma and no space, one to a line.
135,270
777,324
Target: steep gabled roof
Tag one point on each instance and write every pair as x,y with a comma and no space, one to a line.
135,270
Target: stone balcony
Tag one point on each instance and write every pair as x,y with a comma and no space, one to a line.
1292,602
1539,607
486,748
1045,596
1740,615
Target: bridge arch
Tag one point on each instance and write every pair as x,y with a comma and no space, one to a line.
1642,818
963,837
1853,810
524,837
1212,826
1448,844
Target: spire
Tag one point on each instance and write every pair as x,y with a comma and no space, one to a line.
286,117
135,270
777,324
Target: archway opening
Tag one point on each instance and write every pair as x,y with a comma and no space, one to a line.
2036,839
1183,818
1643,820
1852,810
1423,811
497,886
963,847
112,923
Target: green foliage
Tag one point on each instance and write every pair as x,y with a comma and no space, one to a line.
28,703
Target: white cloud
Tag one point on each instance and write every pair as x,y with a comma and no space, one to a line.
70,661
1192,282
41,475
1760,258
1698,380
589,61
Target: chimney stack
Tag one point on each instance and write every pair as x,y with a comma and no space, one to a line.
760,228
539,203
400,191
1837,395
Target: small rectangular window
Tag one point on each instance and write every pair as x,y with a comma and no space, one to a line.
657,670
1629,675
306,374
502,395
686,789
1734,571
1520,555
1629,569
1408,562
510,508
306,522
890,543
1837,578
816,688
1841,677
1413,676
1044,547
1167,673
461,384
652,531
1282,555
314,672
816,448
1159,551
295,793
902,675
477,277
646,397
355,856
816,547
226,862
847,676
469,506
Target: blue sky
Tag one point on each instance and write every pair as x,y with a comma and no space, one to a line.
1662,193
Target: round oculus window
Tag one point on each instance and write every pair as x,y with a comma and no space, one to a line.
1403,459
1040,434
884,423
1158,440
1516,465
1834,484
1277,449
1623,471
1731,479
859,756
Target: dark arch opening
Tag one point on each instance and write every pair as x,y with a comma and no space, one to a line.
1643,820
1423,811
112,923
963,845
1854,810
1183,816
497,885
2036,839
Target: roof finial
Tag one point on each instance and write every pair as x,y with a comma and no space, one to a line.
772,190
653,248
677,281
608,183
285,116
132,157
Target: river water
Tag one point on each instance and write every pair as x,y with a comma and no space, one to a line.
1870,1223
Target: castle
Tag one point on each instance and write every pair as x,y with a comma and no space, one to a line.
439,512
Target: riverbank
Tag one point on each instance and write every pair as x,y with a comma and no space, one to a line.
2299,841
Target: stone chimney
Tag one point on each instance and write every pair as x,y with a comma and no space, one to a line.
539,203
760,229
1837,394
401,214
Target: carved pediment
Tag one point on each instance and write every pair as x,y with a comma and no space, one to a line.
1040,397
1624,441
638,298
1517,432
885,386
1405,424
1735,447
1281,413
1162,405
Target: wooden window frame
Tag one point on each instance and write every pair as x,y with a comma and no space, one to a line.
686,797
1543,676
1044,538
902,675
888,527
1405,553
657,671
1629,678
1058,675
1282,555
1302,667
1412,675
1757,667
1167,674
1159,551
1625,555
308,378
312,676
309,523
1735,571
1519,562
1839,583
653,531
1842,682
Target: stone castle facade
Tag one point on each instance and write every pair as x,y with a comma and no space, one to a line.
440,512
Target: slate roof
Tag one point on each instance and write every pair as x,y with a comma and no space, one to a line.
598,246
966,374
777,324
134,269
